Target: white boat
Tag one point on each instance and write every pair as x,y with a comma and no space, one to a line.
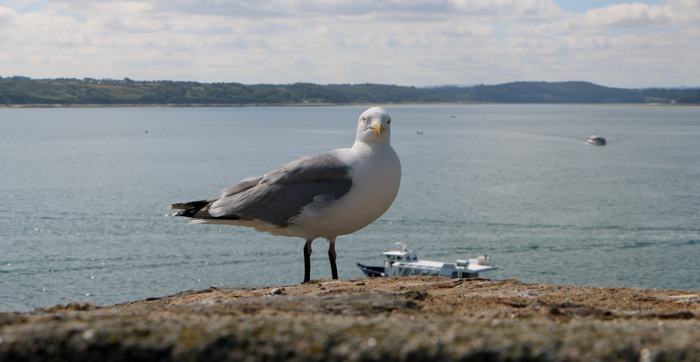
404,262
596,140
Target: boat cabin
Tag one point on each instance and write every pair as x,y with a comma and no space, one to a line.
393,256
449,270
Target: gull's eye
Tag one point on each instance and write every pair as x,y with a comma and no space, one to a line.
388,122
364,120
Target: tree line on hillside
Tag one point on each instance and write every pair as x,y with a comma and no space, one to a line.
23,91
564,92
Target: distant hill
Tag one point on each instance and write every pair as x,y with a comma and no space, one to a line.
26,91
560,92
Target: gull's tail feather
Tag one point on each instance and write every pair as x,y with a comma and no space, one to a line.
189,208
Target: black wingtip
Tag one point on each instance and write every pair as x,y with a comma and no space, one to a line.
189,208
186,213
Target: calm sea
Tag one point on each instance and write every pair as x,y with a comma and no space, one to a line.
84,196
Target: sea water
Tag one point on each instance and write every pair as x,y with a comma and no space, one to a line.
84,196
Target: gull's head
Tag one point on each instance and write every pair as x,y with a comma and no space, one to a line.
374,125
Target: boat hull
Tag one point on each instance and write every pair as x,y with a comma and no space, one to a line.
406,270
372,271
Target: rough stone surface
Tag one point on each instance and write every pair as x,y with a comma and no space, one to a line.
382,319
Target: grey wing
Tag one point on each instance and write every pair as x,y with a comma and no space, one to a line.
282,193
241,186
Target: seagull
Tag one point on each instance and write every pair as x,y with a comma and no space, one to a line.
322,196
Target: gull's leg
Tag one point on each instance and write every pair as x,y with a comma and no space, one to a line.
331,256
307,260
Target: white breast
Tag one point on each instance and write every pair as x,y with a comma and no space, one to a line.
376,177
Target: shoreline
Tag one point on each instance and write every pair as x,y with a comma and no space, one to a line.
369,319
241,105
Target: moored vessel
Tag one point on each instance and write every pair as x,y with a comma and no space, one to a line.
404,262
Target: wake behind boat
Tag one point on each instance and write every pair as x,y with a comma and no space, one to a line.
404,262
596,139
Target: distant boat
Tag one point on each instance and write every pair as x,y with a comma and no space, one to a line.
419,132
404,262
596,139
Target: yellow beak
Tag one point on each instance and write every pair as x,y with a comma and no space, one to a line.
377,128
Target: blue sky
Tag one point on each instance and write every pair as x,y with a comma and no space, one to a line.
628,44
581,6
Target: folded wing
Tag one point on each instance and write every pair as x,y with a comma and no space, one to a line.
280,195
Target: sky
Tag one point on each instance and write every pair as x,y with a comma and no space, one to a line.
654,43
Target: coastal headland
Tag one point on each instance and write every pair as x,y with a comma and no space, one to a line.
374,319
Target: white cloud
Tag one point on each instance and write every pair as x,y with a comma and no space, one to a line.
410,42
675,13
7,16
